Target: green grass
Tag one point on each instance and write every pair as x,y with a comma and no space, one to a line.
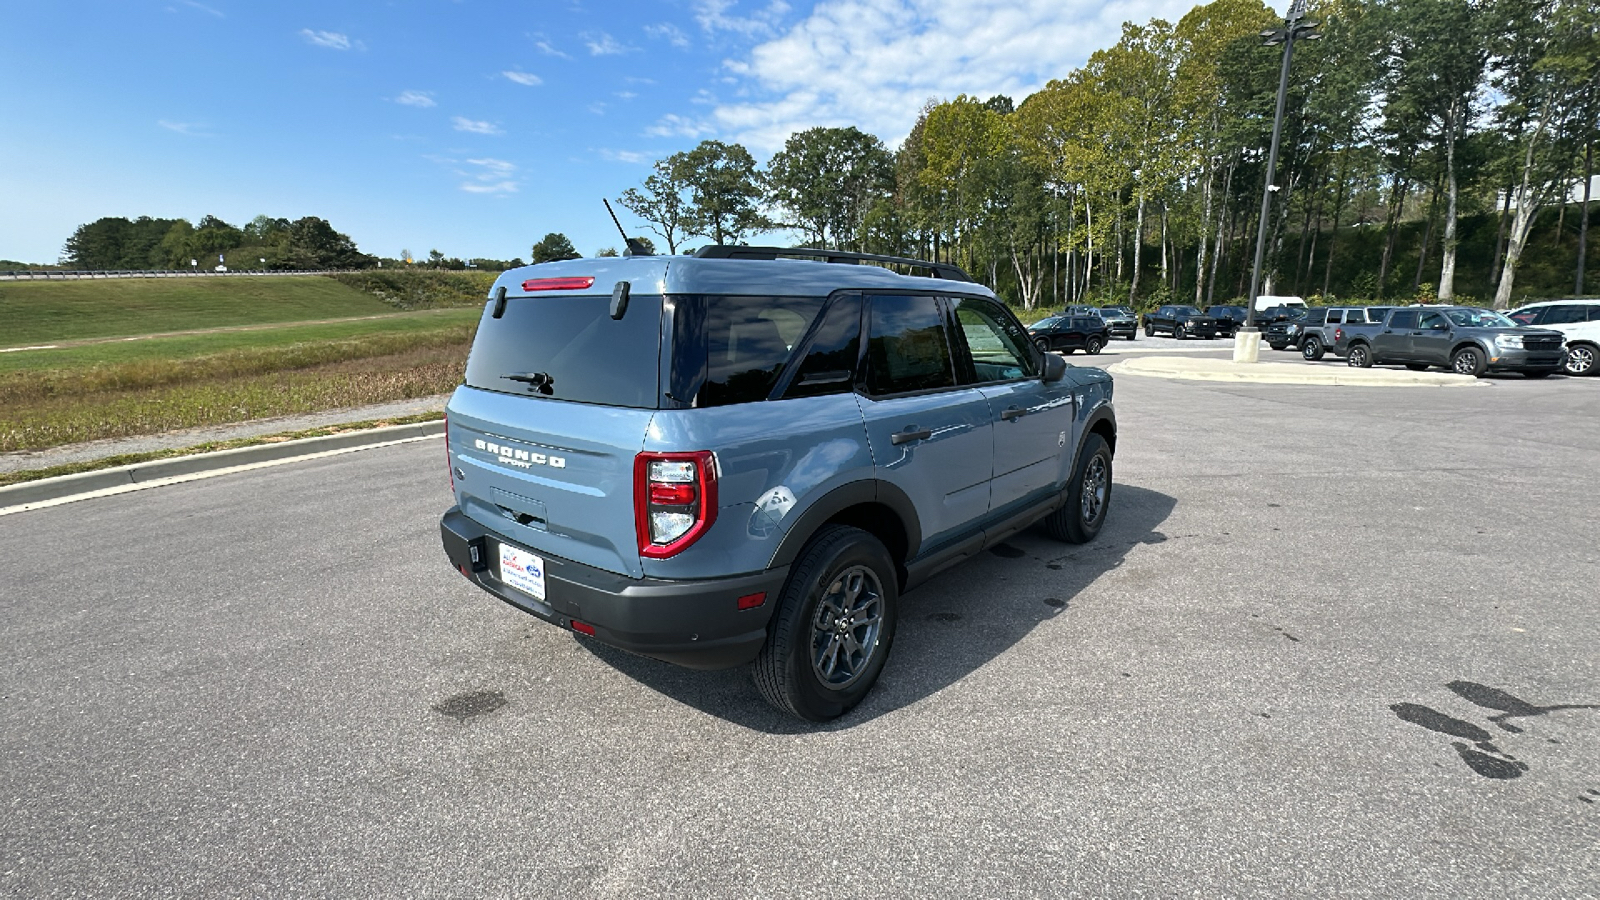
421,288
37,312
272,338
128,459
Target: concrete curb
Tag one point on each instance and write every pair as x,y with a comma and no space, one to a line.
1285,373
49,491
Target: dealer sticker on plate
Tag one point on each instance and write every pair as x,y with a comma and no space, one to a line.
522,570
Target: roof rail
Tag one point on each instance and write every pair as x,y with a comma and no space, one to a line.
947,271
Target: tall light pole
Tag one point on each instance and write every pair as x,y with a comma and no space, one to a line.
1295,28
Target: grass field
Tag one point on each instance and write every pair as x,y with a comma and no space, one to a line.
287,361
38,312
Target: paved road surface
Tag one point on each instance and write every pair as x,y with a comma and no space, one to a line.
1276,674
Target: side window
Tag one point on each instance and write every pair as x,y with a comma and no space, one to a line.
1405,318
1335,317
907,348
998,349
748,340
830,363
1594,313
1564,315
1525,316
1434,321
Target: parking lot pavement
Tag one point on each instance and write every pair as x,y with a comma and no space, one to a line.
1332,642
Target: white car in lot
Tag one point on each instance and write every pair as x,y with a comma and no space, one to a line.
1579,320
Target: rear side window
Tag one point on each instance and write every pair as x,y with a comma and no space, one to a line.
1403,319
569,348
1564,315
734,349
829,366
907,348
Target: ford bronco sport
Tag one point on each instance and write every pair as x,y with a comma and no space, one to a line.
737,457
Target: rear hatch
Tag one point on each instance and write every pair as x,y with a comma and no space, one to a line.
557,400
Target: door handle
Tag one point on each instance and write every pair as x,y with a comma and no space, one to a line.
912,433
1012,413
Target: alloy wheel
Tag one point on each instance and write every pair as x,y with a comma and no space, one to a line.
845,626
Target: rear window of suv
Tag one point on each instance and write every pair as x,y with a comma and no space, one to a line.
582,353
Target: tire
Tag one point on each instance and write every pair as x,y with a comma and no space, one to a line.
1179,333
1360,357
1417,367
1312,350
1094,346
1088,498
842,592
1149,330
1468,361
1582,359
1043,344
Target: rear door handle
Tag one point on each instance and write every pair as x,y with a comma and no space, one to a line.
1012,413
910,434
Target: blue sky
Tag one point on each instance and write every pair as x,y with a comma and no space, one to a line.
471,127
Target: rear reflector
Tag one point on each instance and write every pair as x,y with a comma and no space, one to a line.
751,601
583,628
557,284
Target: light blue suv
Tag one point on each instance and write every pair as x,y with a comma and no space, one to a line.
739,457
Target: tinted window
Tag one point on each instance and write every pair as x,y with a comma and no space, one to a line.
586,355
1185,311
906,346
747,344
829,366
1314,316
1594,313
1376,314
1564,315
998,349
1404,318
1434,321
1336,317
1478,318
1047,324
1525,316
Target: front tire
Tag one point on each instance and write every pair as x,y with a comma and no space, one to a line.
1078,521
1179,333
1581,359
833,628
1043,344
1312,350
1468,361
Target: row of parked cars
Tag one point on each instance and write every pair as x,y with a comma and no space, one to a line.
1537,340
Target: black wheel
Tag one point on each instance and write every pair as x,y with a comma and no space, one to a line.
1417,367
1360,357
1149,330
1179,333
1468,361
1581,359
1088,496
1312,349
1043,344
1094,346
1545,374
833,627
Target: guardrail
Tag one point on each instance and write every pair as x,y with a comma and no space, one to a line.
78,275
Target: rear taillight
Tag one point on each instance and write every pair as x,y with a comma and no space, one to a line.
674,500
1338,334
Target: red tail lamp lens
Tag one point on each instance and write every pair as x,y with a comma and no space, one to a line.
751,601
557,284
671,494
675,500
583,628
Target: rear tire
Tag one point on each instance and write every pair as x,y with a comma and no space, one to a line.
833,627
1094,346
1360,357
1043,344
1088,497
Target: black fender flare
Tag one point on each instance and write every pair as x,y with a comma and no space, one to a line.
1103,414
836,501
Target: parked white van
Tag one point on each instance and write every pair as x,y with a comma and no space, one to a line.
1268,301
1579,320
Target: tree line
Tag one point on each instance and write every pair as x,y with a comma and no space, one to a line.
263,242
1414,130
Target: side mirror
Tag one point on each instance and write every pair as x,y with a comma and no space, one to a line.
1055,368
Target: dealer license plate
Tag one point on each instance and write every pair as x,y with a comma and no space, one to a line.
522,570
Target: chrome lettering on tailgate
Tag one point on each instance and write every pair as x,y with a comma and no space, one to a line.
521,458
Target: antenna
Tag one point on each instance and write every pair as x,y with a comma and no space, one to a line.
634,247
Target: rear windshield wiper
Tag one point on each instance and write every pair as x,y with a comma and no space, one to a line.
540,381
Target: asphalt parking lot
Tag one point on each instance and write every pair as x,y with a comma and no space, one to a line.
1332,642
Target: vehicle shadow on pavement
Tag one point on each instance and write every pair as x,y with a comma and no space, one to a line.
949,627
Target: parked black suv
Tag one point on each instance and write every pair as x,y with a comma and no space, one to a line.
1070,334
1181,322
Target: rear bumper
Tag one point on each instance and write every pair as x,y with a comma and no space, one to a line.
691,623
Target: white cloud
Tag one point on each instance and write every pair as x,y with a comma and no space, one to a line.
602,44
543,45
668,32
874,63
499,187
520,77
422,99
494,168
717,15
203,8
632,157
673,125
193,129
482,176
625,95
472,126
333,40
